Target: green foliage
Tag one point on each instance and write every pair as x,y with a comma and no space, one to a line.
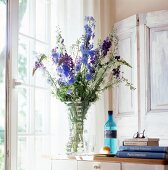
3,1
106,70
1,158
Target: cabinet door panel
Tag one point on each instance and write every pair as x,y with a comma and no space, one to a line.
86,165
125,101
125,44
158,68
153,74
127,166
64,165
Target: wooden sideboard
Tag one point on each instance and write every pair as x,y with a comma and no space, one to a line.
108,163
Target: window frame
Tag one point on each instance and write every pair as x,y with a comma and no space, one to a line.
11,136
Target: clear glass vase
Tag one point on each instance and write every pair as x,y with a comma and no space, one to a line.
77,116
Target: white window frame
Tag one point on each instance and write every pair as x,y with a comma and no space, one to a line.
11,83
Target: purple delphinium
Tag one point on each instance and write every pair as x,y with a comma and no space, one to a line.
116,72
38,64
117,57
89,28
69,91
105,46
93,59
78,64
88,76
86,47
88,31
65,69
55,55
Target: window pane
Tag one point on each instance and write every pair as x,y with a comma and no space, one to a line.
23,59
42,149
25,157
25,24
32,152
28,51
2,79
40,79
42,115
41,20
23,110
33,94
33,19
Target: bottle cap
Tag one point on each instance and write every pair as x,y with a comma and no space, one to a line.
110,112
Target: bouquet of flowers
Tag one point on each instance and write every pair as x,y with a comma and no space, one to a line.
78,78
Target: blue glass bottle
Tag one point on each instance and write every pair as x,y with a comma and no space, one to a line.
110,133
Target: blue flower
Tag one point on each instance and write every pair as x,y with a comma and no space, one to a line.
75,75
84,59
78,66
90,69
89,28
83,49
69,91
59,70
55,56
93,59
88,76
66,70
71,80
91,52
106,46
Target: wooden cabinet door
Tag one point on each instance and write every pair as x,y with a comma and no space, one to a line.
86,165
127,166
154,74
125,101
64,165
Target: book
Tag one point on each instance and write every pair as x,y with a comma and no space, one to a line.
141,143
92,156
144,148
141,139
104,155
144,155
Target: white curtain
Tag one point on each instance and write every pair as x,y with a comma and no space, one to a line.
69,15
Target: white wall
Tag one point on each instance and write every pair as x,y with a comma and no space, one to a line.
126,8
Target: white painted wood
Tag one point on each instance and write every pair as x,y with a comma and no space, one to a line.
13,8
94,165
158,68
157,18
153,34
64,165
126,24
125,101
125,44
88,165
128,166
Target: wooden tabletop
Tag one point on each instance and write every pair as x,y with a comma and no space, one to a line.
112,159
133,160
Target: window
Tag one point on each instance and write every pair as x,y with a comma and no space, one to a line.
37,129
32,94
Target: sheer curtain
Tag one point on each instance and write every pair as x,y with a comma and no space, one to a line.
37,123
69,15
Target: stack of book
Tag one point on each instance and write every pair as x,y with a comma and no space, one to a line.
148,152
141,142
